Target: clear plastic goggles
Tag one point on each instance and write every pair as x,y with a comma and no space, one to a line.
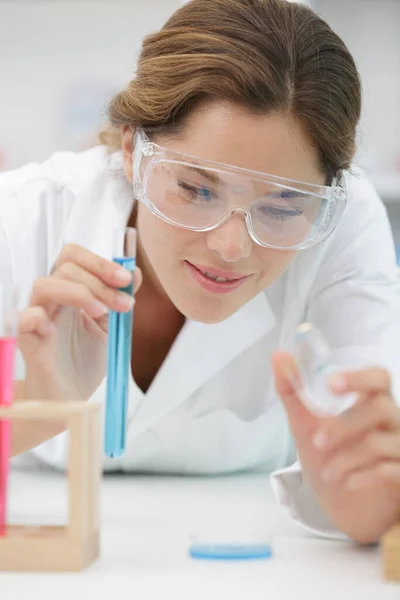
201,195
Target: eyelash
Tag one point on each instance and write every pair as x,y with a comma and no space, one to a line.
283,215
194,191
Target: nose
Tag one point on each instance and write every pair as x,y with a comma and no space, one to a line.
231,239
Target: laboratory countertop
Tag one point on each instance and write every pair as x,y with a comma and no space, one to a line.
148,523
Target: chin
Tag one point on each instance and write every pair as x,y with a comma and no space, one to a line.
204,312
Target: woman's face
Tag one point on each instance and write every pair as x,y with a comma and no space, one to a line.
172,257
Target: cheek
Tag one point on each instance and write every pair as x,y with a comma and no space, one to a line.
154,234
274,262
161,242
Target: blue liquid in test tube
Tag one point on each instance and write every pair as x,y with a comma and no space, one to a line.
119,359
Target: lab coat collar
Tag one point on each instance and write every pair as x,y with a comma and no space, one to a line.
200,352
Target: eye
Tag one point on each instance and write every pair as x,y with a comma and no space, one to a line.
278,214
288,195
196,193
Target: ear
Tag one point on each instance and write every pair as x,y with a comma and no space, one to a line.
126,147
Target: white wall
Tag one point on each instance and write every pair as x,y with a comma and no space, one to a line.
371,30
60,60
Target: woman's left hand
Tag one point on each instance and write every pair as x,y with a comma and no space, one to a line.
352,460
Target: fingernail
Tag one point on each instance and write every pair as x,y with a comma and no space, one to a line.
125,301
320,440
123,276
98,309
338,382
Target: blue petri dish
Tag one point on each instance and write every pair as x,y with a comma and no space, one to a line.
230,551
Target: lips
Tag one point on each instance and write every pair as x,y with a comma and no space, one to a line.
216,277
216,280
216,274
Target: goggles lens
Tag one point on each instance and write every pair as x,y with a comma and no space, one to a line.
279,213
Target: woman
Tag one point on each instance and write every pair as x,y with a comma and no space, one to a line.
237,135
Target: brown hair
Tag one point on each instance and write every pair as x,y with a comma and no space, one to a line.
267,55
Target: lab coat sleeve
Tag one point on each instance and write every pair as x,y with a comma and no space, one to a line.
354,301
300,504
35,203
33,210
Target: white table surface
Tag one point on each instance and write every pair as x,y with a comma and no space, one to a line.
147,524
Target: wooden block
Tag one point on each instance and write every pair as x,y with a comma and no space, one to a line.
76,545
390,545
46,410
46,549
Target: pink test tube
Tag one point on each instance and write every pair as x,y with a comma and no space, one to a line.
8,336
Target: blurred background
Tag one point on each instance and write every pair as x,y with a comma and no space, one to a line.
62,60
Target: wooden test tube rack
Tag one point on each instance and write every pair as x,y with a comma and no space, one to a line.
74,546
390,546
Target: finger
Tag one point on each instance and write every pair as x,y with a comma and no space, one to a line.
107,270
372,449
35,320
369,414
288,385
386,472
48,291
286,375
112,298
369,381
96,326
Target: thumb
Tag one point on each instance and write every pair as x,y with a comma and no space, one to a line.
288,384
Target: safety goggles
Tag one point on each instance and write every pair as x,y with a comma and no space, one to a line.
201,195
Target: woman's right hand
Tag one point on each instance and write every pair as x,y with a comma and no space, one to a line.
63,332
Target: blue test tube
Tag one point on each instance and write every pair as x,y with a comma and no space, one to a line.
119,353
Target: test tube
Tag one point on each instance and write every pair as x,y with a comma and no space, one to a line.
8,342
119,353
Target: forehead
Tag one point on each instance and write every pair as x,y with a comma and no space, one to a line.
230,134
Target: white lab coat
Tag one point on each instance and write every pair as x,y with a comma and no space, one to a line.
212,407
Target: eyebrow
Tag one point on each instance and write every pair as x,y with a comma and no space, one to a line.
213,177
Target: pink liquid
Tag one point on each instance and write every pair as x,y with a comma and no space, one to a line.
7,353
